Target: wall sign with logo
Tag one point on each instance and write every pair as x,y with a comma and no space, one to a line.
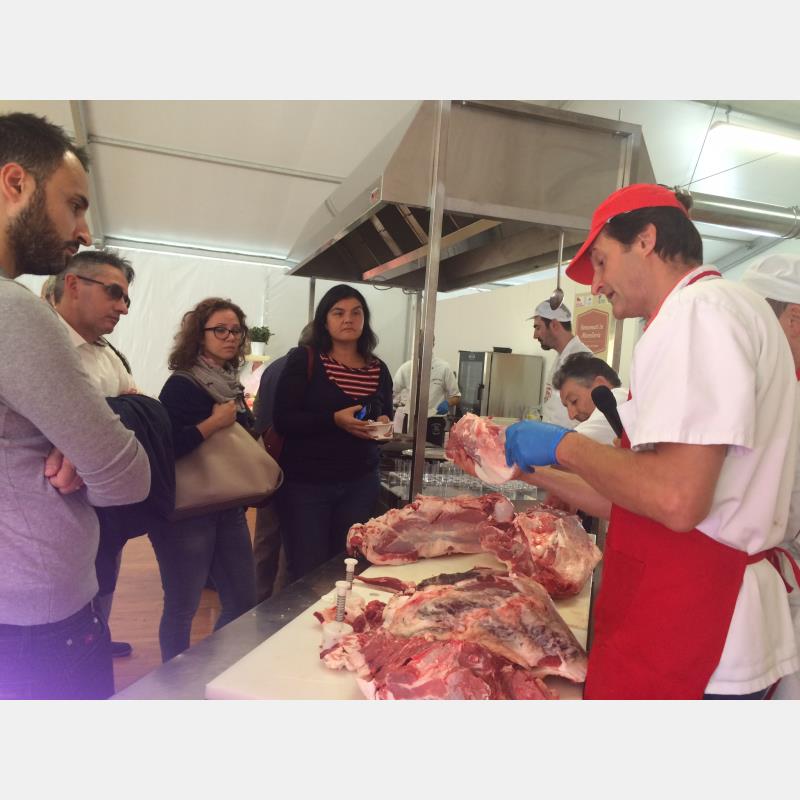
593,324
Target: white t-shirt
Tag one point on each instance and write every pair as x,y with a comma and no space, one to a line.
714,368
443,384
553,410
597,427
103,366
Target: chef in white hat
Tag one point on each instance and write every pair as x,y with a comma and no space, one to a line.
777,280
553,330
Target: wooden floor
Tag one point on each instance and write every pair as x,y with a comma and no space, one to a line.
138,601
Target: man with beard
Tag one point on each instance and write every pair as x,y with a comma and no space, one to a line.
553,330
52,644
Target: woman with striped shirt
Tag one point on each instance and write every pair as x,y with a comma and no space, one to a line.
329,459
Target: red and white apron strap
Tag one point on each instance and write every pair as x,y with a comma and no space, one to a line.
772,555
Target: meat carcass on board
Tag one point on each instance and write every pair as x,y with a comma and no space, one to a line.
390,667
478,446
510,615
481,634
547,545
429,527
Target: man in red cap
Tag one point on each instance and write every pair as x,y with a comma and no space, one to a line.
698,495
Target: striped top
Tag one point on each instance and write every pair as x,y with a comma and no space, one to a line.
357,382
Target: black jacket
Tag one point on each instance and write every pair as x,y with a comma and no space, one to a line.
315,449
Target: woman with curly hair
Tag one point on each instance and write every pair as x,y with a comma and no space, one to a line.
203,396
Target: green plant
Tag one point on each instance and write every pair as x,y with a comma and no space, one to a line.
260,334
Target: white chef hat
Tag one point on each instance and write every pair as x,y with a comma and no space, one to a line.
776,277
544,311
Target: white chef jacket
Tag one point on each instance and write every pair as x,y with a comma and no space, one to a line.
101,364
597,427
714,367
789,687
443,384
553,410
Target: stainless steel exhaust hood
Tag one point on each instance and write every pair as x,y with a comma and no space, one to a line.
517,175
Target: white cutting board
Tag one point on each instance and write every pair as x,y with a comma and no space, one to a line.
287,665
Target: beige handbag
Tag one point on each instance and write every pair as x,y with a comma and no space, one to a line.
227,470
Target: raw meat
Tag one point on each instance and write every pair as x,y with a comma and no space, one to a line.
357,612
547,545
510,615
478,446
429,527
389,667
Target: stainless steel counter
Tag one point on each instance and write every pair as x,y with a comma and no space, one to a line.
185,676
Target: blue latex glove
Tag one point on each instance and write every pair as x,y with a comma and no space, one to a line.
533,444
442,408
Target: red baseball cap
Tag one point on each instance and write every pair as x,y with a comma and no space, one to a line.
629,198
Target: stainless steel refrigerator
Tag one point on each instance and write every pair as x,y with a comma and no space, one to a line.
500,384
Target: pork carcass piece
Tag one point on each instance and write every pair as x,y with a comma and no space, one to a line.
547,545
429,527
478,446
510,615
390,667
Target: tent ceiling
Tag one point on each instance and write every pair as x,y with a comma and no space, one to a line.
248,175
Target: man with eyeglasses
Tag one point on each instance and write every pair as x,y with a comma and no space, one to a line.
52,643
91,295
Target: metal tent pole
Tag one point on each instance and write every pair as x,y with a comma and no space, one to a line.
422,358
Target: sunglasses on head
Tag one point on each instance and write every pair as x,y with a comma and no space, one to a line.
113,290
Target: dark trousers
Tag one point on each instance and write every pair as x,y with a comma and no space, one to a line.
188,552
65,660
268,552
315,518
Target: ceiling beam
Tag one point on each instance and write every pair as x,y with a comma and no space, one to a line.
210,158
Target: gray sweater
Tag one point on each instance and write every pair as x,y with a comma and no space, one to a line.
48,541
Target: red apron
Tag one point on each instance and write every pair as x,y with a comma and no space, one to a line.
664,608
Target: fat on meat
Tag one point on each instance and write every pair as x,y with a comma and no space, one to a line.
478,446
390,667
429,527
510,615
547,545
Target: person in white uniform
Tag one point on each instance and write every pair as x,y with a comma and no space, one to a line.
90,296
443,393
553,330
777,280
691,604
574,382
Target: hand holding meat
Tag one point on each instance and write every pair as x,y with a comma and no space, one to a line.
533,444
345,419
477,445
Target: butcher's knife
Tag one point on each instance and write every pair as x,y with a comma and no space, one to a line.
607,403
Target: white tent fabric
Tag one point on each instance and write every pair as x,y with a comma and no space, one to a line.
168,285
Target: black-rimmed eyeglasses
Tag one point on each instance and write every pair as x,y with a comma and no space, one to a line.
221,332
113,290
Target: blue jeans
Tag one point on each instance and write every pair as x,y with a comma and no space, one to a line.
315,518
65,660
188,552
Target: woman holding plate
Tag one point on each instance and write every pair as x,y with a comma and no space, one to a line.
329,398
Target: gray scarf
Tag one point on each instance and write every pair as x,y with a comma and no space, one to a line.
222,383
